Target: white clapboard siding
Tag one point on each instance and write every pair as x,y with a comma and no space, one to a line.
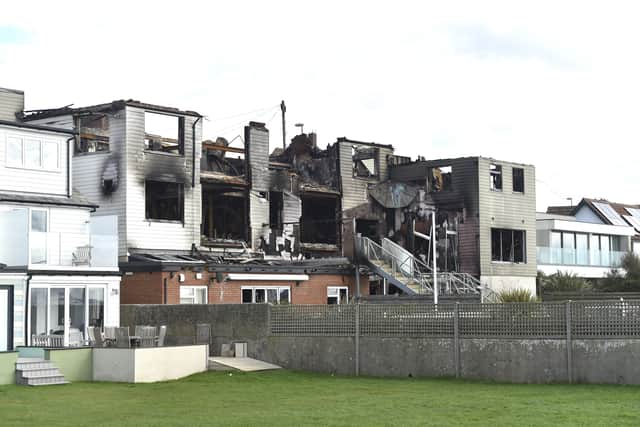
21,179
11,102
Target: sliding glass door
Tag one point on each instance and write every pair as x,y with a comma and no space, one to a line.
65,312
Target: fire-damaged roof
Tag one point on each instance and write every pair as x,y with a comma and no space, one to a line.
112,106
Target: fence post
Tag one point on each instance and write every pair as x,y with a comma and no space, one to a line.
357,339
456,338
569,342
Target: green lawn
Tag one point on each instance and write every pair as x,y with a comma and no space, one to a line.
295,398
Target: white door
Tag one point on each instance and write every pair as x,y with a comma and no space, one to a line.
4,319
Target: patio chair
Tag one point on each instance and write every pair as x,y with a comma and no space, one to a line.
147,335
95,336
161,335
82,255
109,335
76,338
122,337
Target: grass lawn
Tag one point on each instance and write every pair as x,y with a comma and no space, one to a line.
296,398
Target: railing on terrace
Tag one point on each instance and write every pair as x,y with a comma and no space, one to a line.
579,257
553,320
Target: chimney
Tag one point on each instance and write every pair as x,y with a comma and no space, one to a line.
313,137
11,103
256,140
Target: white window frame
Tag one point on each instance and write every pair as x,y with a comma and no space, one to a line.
67,289
194,297
253,289
336,290
46,233
41,142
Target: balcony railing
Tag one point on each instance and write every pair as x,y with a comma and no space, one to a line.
21,247
579,257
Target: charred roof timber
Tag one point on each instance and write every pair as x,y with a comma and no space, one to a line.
108,107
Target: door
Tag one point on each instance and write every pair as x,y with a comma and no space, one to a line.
6,318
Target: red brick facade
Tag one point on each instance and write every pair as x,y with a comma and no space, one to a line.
149,287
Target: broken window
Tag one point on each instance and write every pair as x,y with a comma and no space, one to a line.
508,245
518,180
365,161
441,178
94,134
164,200
337,295
224,214
495,176
318,224
163,132
276,204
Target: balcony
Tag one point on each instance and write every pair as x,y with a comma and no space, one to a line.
95,248
579,257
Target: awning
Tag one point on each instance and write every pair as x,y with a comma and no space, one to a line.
281,277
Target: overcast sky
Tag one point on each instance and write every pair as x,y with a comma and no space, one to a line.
552,84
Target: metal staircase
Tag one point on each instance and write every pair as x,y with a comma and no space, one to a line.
414,277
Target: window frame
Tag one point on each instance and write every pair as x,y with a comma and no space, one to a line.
446,184
513,179
181,134
375,157
266,289
41,142
181,201
194,297
338,289
512,255
496,178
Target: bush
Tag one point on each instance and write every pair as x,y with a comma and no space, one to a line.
517,295
631,264
616,282
564,282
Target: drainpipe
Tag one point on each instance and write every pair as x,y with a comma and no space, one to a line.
69,186
27,310
193,152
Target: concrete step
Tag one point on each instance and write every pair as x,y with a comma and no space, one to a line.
37,372
52,380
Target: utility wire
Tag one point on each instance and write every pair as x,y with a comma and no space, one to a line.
244,114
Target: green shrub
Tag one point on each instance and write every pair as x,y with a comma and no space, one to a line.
631,264
516,295
564,282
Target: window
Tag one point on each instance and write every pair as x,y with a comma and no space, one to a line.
337,295
164,133
508,245
365,161
266,294
440,179
193,295
518,180
94,134
32,153
276,204
495,176
164,200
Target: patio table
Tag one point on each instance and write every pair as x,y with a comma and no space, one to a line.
135,340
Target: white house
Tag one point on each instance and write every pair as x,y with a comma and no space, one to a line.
58,263
587,249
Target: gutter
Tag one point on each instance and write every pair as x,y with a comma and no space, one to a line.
193,151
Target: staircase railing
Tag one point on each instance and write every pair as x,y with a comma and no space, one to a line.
402,263
413,271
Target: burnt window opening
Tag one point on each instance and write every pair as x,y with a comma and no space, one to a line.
94,134
276,206
164,133
164,200
318,223
368,228
495,177
508,245
365,161
518,180
224,214
441,179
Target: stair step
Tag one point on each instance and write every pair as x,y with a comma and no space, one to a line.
45,364
47,381
38,372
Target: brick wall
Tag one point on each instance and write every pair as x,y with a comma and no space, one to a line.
148,288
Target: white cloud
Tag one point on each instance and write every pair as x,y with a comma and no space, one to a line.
549,83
